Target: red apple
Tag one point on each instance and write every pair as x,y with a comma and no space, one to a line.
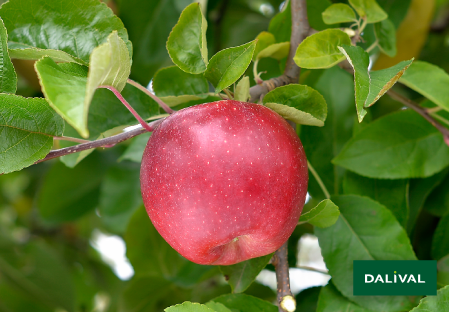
224,182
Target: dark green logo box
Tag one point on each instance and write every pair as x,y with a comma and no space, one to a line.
395,277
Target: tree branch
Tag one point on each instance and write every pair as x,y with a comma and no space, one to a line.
422,111
300,30
107,142
284,295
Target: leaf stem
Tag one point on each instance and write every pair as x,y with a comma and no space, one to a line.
64,138
313,269
434,109
443,120
228,94
161,103
129,107
371,47
319,181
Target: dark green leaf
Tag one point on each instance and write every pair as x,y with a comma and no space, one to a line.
434,303
228,65
339,13
242,302
148,252
331,300
65,87
390,193
397,146
171,81
27,127
382,80
440,243
429,80
438,201
281,24
321,144
242,274
369,9
443,271
39,272
91,22
356,236
217,307
189,307
386,36
8,77
120,196
187,42
359,60
396,9
320,50
134,151
298,103
323,215
67,194
307,299
264,39
314,13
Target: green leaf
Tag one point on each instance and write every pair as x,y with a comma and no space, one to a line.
359,60
298,103
120,196
331,300
339,13
91,22
281,24
434,303
218,307
264,39
430,81
189,307
147,251
134,151
314,13
8,77
440,242
397,146
27,127
369,9
242,302
241,275
307,299
38,271
277,51
443,271
438,201
242,90
187,44
35,54
110,65
64,87
323,215
67,194
386,35
172,81
356,236
382,80
228,65
320,50
390,193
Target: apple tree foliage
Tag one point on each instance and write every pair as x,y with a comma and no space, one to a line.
366,106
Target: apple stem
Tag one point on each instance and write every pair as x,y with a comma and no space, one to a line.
129,107
161,103
284,294
228,94
318,179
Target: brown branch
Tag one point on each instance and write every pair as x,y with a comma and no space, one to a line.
284,294
300,30
422,111
107,142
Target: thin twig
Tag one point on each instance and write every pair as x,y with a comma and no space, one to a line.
311,269
107,142
422,111
161,103
129,107
318,179
280,262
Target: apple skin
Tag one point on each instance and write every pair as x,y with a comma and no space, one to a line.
224,182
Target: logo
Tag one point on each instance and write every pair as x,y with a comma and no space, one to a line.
395,277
